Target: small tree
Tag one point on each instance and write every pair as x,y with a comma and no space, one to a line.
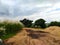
40,23
26,22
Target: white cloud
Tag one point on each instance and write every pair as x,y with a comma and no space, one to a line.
8,2
32,9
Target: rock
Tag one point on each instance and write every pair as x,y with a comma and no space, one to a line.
1,42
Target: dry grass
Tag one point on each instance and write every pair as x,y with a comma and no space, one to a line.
51,38
53,30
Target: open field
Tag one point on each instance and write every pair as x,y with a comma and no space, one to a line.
31,36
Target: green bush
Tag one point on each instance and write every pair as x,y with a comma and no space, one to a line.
9,28
1,33
13,27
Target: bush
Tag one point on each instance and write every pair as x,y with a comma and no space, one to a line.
1,33
13,27
9,29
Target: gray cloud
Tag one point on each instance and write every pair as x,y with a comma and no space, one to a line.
3,10
15,8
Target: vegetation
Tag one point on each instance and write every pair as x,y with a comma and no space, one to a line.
13,27
26,22
54,23
1,33
40,23
7,29
6,36
10,28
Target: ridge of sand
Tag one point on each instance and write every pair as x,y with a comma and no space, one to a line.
50,38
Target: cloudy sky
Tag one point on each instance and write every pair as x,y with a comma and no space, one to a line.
30,9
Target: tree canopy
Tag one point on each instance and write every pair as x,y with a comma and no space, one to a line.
40,23
54,23
27,22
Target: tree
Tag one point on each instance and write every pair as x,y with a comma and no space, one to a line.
26,22
40,23
54,23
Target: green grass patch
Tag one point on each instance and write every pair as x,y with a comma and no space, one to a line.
8,36
9,29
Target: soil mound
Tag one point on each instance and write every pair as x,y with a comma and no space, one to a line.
50,36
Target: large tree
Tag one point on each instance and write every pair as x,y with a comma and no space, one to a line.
40,23
27,22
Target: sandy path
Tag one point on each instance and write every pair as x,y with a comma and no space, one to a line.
23,39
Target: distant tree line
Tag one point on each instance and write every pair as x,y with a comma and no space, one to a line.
54,23
39,23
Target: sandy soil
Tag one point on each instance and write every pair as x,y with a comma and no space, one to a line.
48,36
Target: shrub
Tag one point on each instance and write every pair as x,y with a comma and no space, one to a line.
10,26
1,24
1,33
13,27
9,29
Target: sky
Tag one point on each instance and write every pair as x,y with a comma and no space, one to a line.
30,9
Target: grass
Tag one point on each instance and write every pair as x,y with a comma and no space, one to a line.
11,28
8,36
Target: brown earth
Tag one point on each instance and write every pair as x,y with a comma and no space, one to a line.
30,36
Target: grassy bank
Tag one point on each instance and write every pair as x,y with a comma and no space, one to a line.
9,29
